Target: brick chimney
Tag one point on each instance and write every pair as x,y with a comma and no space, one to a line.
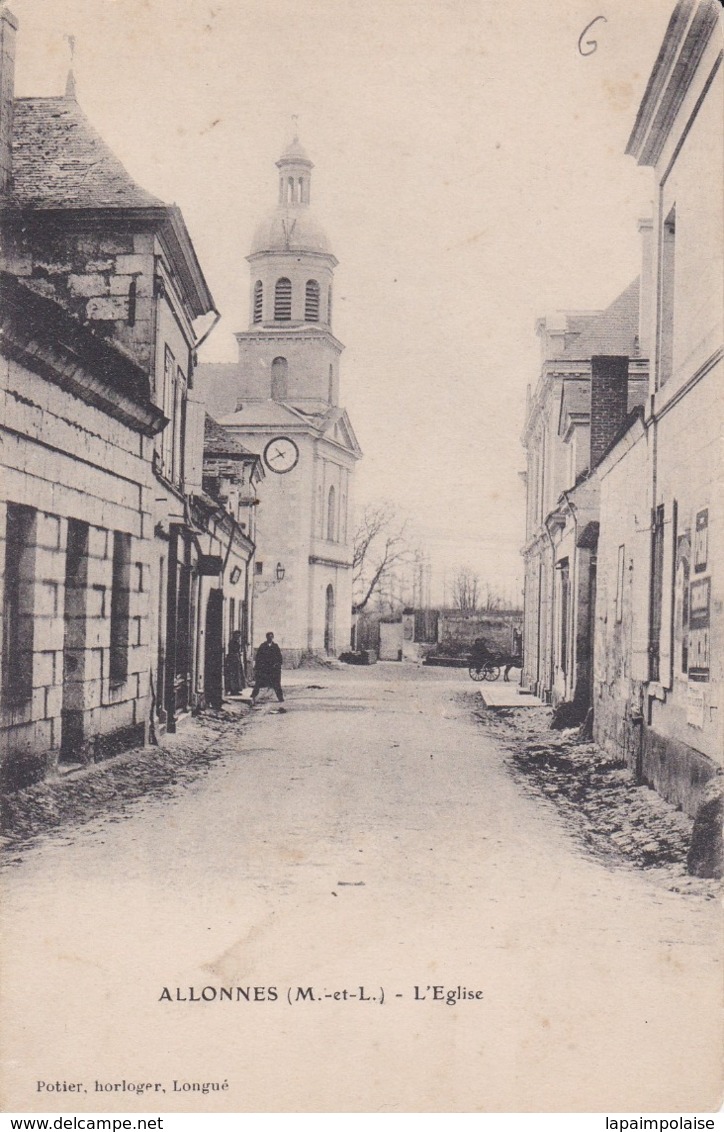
609,401
8,28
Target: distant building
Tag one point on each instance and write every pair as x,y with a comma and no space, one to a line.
281,400
593,374
658,679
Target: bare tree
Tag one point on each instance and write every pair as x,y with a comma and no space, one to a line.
466,590
379,549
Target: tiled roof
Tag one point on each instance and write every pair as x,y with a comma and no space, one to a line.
61,161
576,398
613,332
218,442
263,413
578,324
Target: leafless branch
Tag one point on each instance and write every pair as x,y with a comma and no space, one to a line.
379,546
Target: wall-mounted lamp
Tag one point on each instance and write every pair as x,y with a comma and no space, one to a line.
280,572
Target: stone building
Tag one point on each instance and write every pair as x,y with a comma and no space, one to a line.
659,629
225,515
76,544
281,400
593,373
104,305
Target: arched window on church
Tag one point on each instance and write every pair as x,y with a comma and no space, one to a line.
301,191
258,299
311,301
290,196
283,300
279,383
331,524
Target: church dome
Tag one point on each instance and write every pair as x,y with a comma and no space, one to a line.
290,229
295,151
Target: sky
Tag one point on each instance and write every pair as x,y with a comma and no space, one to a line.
470,174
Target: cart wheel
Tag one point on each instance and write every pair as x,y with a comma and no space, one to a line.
476,674
491,672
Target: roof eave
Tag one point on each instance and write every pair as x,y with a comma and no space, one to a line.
181,250
687,35
293,251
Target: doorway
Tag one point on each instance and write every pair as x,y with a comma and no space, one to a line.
329,621
74,643
214,650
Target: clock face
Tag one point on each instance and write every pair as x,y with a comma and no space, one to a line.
281,454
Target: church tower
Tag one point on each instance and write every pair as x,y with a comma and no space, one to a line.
285,389
289,352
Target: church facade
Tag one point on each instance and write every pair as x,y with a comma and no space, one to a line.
281,400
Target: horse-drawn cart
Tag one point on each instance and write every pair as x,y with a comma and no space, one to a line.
486,663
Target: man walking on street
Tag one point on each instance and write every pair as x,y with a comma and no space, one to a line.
268,669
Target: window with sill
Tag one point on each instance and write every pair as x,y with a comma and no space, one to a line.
666,324
279,376
173,403
331,515
657,593
120,607
18,604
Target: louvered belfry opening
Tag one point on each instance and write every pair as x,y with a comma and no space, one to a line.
283,300
258,300
311,301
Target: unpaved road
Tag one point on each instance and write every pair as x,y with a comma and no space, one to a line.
371,837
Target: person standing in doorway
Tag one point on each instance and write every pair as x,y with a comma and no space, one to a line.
235,681
268,669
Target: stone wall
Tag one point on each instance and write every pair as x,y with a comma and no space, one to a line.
77,476
103,277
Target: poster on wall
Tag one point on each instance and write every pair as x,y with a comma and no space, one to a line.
681,597
699,603
695,706
701,541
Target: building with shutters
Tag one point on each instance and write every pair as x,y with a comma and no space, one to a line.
658,678
594,372
281,401
623,592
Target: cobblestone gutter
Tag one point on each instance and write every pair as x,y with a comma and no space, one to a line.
615,819
82,795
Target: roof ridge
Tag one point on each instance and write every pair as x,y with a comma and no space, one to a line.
61,160
612,332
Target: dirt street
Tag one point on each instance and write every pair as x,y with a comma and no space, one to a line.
368,844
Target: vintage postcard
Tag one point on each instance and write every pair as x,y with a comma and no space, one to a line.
361,689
